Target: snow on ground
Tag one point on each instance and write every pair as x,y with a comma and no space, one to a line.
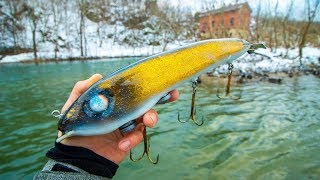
264,61
272,62
94,50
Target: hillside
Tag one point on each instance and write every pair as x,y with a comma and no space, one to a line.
70,30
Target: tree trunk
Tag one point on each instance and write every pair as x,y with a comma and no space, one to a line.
286,33
81,34
115,34
56,51
312,10
303,41
13,24
34,42
257,19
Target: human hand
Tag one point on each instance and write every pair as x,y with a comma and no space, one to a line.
113,146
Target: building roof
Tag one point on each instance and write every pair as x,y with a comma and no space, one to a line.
225,9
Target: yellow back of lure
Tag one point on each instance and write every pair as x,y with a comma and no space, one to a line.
159,73
135,89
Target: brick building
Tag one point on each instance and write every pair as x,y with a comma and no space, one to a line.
228,21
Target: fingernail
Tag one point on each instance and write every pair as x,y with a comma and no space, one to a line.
125,145
94,78
153,118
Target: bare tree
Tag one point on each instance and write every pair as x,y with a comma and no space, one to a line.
55,30
258,22
208,5
286,32
11,25
34,14
312,9
83,9
275,27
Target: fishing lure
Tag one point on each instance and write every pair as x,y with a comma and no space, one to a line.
133,90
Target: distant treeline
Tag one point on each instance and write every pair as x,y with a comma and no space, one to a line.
63,24
276,26
279,29
66,25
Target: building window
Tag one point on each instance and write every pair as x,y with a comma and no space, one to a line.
204,27
232,22
212,24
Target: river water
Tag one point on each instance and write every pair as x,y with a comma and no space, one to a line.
272,132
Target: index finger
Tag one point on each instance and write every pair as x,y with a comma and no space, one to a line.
174,95
80,88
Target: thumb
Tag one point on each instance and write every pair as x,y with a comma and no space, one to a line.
132,139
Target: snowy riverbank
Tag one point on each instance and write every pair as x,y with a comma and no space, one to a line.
266,61
261,63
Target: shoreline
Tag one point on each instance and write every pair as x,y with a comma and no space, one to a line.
69,59
237,78
249,68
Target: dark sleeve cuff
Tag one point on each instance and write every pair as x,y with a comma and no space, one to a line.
84,159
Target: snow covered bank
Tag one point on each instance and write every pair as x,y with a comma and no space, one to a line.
109,51
263,62
94,51
266,61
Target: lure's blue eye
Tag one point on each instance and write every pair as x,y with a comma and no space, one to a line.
99,104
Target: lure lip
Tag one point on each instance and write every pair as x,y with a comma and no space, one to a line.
64,136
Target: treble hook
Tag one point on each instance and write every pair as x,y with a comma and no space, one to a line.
193,110
146,143
230,68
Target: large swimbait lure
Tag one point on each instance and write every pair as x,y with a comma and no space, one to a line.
133,90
